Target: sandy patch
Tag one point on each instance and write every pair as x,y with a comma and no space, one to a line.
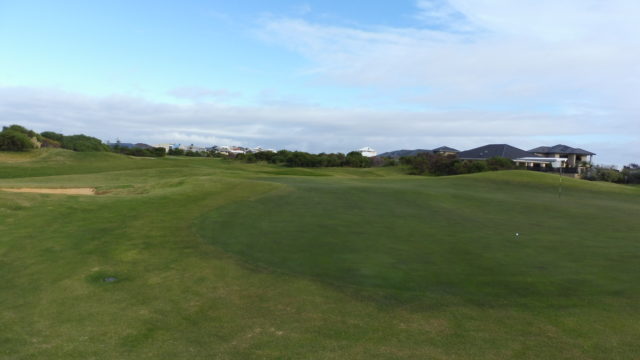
68,191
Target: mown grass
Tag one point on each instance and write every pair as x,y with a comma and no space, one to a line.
455,237
220,259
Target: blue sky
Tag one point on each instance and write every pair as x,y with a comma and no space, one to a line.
148,48
328,75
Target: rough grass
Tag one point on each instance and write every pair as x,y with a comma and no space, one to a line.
225,260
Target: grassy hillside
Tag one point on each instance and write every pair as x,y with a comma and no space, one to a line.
218,259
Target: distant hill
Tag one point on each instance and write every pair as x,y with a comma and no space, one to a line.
400,153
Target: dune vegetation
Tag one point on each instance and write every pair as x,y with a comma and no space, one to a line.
203,258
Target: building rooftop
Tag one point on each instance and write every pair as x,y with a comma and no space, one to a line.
494,150
445,149
560,149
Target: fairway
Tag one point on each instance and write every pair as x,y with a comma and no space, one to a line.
215,259
422,238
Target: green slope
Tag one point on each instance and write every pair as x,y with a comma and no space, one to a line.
445,236
225,260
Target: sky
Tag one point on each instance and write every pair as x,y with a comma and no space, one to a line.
328,76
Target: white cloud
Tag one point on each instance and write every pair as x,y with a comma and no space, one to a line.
197,93
549,52
555,20
440,14
309,128
574,60
527,73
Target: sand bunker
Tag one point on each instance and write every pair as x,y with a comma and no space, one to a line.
68,191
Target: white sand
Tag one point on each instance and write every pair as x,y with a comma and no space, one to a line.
68,191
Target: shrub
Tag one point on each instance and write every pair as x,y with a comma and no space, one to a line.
356,159
176,152
19,138
377,161
390,162
604,173
264,156
441,165
193,153
631,174
434,164
12,140
158,151
49,143
23,130
301,159
305,159
470,166
610,175
500,163
137,151
83,143
53,136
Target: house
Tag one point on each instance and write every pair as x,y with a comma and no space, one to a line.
543,158
367,151
520,157
259,149
574,156
541,163
166,147
445,150
227,150
494,150
195,148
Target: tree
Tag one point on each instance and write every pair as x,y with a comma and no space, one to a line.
356,159
158,151
176,152
264,156
631,174
604,173
500,163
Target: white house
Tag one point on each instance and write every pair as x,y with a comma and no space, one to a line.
554,162
167,147
259,149
367,151
195,148
231,150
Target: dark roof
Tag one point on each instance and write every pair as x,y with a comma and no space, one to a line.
493,150
401,153
560,149
445,149
122,145
130,145
143,146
